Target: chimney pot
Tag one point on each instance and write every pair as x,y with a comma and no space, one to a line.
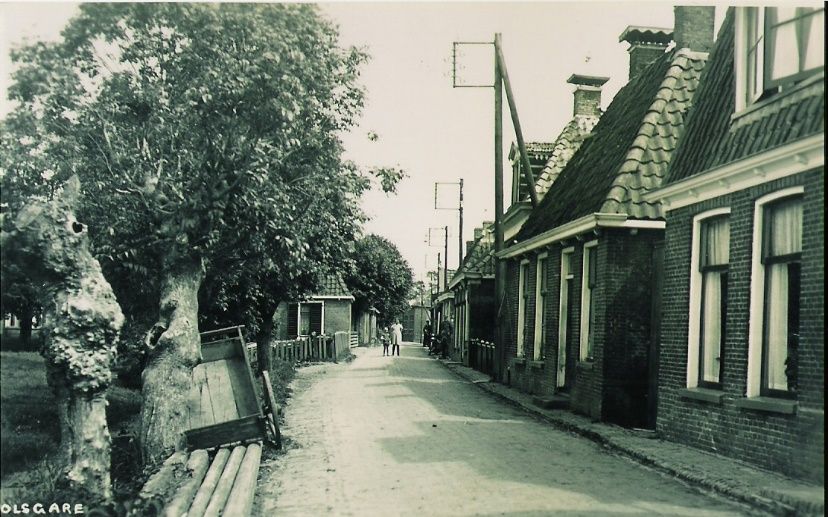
646,45
587,96
694,27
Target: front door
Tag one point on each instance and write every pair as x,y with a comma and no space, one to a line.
563,319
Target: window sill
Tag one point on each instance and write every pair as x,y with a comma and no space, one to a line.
539,364
702,394
585,365
768,404
519,360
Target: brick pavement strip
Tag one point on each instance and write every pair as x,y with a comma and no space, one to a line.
762,490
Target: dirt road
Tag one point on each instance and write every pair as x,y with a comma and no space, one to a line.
404,436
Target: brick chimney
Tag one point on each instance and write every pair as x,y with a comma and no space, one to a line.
646,45
694,27
587,96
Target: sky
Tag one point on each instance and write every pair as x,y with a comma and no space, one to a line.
436,133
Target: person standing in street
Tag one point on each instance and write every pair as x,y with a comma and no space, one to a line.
384,338
396,336
427,334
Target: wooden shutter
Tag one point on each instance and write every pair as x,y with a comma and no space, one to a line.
316,318
293,320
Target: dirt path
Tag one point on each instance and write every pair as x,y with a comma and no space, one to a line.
404,436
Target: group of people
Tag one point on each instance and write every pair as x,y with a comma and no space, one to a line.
392,335
437,344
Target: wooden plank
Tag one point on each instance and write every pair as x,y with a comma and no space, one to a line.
219,350
194,399
221,392
219,497
205,491
197,467
244,393
240,501
247,428
205,415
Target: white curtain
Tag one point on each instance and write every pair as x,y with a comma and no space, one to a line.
777,326
716,242
712,321
785,230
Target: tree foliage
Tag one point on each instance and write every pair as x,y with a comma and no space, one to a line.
380,277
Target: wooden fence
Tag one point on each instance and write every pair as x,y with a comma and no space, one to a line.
481,356
354,339
317,348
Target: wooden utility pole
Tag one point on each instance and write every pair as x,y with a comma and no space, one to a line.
460,225
445,262
524,157
500,266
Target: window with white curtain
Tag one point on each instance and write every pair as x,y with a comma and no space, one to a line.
540,307
776,48
714,256
781,259
523,299
589,282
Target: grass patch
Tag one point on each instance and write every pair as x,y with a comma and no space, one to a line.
31,434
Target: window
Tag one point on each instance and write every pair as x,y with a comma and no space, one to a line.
523,299
777,47
713,269
775,295
781,252
567,278
589,281
305,319
540,306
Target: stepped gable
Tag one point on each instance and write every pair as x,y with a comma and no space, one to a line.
629,148
714,138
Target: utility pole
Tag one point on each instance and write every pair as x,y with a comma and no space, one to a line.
460,224
500,265
445,263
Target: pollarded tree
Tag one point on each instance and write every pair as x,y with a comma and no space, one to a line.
380,277
199,131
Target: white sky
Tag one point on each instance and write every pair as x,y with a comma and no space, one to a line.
434,132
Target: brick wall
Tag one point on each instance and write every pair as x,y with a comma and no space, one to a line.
792,444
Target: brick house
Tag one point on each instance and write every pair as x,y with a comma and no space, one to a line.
578,318
742,340
472,287
325,312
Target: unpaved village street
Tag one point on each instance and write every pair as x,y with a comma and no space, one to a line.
405,436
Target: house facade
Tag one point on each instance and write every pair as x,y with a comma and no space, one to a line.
325,312
742,329
581,317
472,287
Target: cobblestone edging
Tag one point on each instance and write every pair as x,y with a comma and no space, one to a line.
693,471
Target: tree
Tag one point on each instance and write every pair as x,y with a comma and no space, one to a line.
380,277
83,320
202,133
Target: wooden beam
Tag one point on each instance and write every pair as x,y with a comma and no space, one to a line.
524,157
240,502
228,476
197,467
208,486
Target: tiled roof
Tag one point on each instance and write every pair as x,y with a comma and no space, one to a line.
480,258
563,149
629,149
714,139
333,285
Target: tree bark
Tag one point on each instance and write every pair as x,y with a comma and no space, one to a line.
82,323
26,315
175,349
264,358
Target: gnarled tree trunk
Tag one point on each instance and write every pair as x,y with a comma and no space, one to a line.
82,323
175,349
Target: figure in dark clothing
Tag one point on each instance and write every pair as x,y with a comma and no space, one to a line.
384,337
427,334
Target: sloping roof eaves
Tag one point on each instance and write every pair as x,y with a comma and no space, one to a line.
714,138
582,186
566,145
333,286
649,157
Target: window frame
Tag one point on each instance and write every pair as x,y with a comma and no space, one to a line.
541,291
764,87
587,299
723,270
758,297
695,361
523,271
298,316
